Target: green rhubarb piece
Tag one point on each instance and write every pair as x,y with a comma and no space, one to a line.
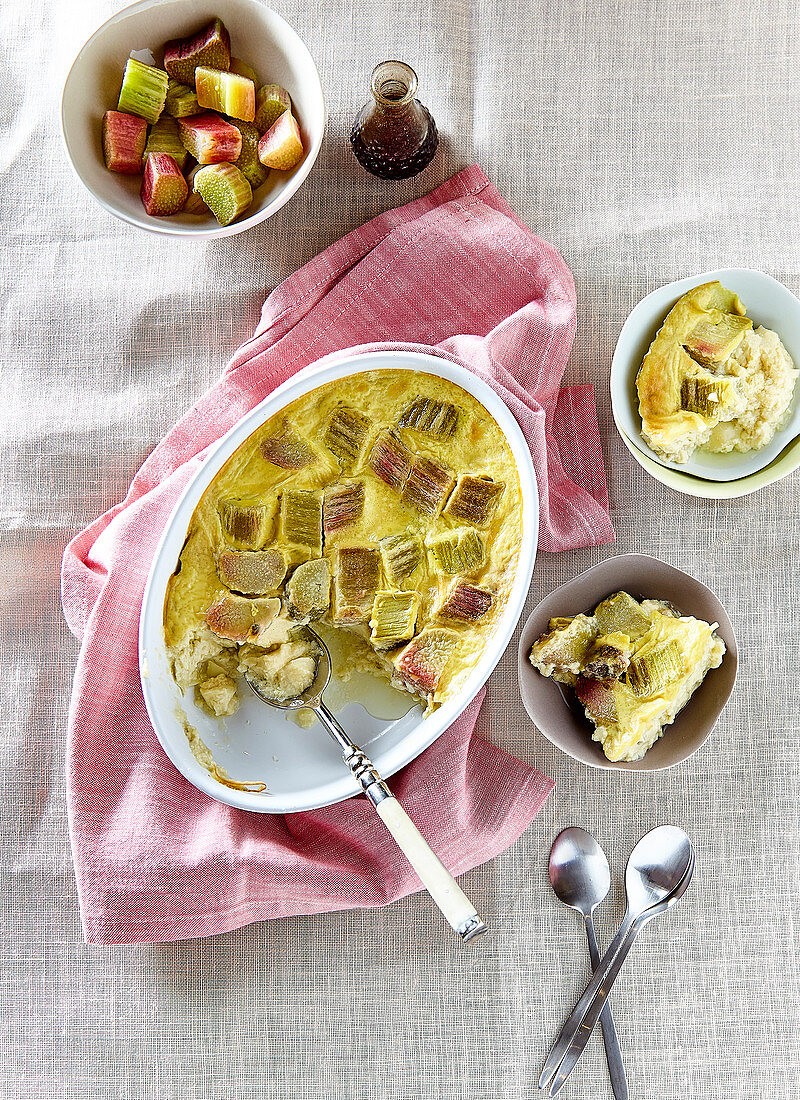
708,396
248,163
163,138
394,616
400,554
144,90
562,650
715,336
271,101
301,520
425,414
346,434
621,612
226,92
243,69
651,672
181,101
474,499
461,551
309,589
224,190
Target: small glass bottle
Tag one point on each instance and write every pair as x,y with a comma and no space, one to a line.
394,137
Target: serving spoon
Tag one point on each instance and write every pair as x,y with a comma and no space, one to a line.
440,884
658,873
580,877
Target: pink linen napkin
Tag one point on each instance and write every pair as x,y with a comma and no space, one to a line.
457,273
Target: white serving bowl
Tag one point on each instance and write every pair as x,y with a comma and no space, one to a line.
258,36
768,303
303,768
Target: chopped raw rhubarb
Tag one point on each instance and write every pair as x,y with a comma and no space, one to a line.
210,139
144,90
210,46
164,189
226,92
271,101
281,146
124,139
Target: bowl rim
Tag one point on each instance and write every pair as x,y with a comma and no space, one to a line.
163,226
151,637
527,674
784,463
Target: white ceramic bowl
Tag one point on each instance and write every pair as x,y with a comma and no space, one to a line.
769,303
303,768
258,36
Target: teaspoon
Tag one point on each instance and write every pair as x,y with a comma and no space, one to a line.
659,871
437,880
581,878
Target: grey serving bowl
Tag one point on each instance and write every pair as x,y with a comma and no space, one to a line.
644,577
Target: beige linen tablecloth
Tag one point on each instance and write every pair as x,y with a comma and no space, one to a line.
647,141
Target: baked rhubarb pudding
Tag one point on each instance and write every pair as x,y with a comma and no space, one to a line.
711,380
385,507
633,665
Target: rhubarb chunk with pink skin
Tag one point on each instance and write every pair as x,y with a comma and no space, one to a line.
164,189
210,139
225,191
465,602
390,460
421,664
271,101
281,147
124,140
225,92
428,485
211,46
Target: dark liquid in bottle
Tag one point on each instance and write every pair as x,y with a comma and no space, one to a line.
391,149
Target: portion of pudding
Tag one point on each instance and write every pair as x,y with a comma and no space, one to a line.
712,381
632,665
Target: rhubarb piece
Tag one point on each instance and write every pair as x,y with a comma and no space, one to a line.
465,602
716,336
460,551
621,612
281,147
144,90
210,139
394,616
609,657
271,102
343,504
124,140
390,460
428,485
195,204
474,499
181,101
241,68
224,190
252,572
346,434
356,578
309,590
211,46
439,418
301,521
164,189
239,620
650,672
400,554
219,695
421,664
225,92
597,699
248,163
164,138
246,524
287,449
707,395
561,652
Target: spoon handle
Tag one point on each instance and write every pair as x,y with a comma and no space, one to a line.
616,1070
437,880
576,1028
